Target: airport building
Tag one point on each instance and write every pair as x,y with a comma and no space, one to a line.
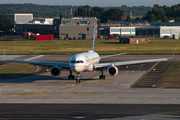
62,28
82,28
42,26
139,29
77,28
21,18
160,31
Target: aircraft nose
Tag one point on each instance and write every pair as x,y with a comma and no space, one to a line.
77,68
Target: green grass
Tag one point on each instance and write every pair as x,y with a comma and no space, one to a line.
156,46
171,78
13,69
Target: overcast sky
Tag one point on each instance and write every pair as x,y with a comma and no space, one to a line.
101,3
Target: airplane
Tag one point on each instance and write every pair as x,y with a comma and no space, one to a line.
88,61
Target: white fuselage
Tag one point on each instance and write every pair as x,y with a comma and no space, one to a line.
83,61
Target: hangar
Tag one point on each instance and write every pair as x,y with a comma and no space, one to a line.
141,30
158,31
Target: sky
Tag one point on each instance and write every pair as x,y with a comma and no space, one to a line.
100,3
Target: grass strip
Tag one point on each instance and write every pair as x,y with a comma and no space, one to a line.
13,69
156,46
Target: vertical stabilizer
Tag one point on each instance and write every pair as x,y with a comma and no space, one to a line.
93,45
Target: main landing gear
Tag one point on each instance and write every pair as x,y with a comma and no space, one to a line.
102,76
71,77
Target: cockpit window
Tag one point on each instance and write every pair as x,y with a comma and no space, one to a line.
79,61
72,61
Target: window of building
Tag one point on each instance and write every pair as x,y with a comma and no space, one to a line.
66,22
87,28
143,40
82,22
132,39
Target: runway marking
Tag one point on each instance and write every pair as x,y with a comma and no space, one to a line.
79,117
115,82
161,88
34,57
143,75
97,82
20,85
1,94
32,94
73,85
45,90
82,93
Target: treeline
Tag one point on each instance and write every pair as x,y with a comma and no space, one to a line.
112,14
45,11
136,11
55,11
163,13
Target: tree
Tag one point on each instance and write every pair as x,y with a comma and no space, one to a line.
128,18
139,19
163,13
97,12
113,14
83,11
177,19
165,19
6,23
152,18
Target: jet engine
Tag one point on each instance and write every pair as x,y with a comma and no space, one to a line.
112,70
56,71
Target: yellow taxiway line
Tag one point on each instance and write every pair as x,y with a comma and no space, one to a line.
82,93
32,94
46,91
20,85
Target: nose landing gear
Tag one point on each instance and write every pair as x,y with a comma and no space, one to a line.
71,77
78,78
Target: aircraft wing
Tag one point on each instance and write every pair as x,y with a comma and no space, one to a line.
111,55
40,63
100,65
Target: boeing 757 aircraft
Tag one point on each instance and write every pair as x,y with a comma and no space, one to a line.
87,61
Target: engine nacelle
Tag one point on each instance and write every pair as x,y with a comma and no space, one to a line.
112,70
55,71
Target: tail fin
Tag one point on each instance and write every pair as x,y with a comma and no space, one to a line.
93,45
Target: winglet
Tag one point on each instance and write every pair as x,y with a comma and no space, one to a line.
173,54
5,55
